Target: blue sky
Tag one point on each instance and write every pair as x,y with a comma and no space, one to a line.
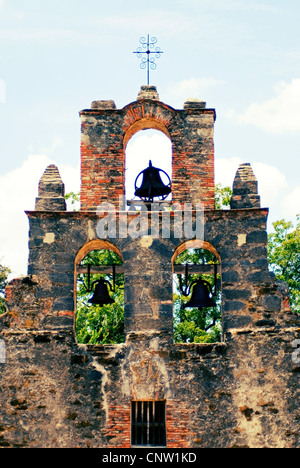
56,57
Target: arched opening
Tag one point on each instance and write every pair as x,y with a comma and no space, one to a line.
197,294
99,287
144,146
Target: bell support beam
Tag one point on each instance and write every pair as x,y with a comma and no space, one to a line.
161,204
107,269
197,269
178,269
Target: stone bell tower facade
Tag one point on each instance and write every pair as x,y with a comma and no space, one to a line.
106,131
239,392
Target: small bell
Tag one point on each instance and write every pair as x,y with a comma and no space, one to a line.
200,295
152,185
101,295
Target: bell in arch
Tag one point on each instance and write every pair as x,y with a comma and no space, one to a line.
101,295
200,295
152,186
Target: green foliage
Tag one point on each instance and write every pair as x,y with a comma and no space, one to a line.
95,324
100,325
193,325
4,272
284,257
196,257
73,199
222,197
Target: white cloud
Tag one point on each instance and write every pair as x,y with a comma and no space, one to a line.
271,182
225,170
189,88
18,190
276,115
290,203
195,85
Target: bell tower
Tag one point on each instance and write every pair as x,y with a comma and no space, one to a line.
106,130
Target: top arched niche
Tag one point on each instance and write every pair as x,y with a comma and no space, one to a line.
195,244
146,123
96,244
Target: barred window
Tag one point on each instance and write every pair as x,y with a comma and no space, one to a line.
148,423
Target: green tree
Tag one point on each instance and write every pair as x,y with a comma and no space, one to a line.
284,257
95,324
73,199
4,272
222,197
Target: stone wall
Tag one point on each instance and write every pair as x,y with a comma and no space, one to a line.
240,392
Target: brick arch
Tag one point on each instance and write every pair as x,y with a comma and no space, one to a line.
145,124
96,244
105,135
141,115
195,244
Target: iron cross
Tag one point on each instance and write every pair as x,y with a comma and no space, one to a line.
148,61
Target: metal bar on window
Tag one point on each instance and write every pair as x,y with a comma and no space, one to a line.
148,420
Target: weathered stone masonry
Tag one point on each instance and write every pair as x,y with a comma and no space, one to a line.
241,392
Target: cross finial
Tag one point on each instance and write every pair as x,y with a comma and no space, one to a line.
148,61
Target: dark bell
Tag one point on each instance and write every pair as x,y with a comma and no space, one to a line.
152,185
200,295
101,295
